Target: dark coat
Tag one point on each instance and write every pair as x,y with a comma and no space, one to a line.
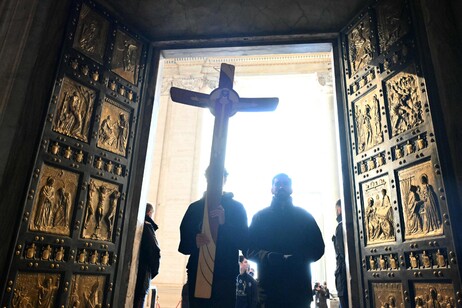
149,261
246,291
232,236
275,232
340,270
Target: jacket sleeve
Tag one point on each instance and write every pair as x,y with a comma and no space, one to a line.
254,251
189,228
315,243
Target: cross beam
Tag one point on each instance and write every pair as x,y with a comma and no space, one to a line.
223,102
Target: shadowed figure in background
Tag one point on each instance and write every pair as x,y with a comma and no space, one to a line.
340,270
246,286
284,239
148,266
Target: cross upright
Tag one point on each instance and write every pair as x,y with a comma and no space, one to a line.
223,102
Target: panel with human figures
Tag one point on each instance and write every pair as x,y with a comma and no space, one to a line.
35,290
387,294
420,203
54,201
367,122
101,210
378,211
74,110
87,291
114,128
126,56
392,22
91,34
405,106
434,294
360,48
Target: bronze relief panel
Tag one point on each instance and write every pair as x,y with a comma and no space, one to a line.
378,211
126,56
114,128
387,295
91,34
367,122
74,110
54,201
35,290
420,203
360,48
101,210
392,22
87,291
405,106
434,295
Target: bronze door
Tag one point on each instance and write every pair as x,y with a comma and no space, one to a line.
68,244
402,219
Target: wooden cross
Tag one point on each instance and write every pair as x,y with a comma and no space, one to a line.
223,102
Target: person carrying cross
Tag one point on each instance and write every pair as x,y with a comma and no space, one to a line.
231,237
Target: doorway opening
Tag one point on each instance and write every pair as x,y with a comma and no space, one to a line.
300,138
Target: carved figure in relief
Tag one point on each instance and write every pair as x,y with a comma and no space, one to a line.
413,205
382,263
75,299
391,301
94,257
440,261
419,302
46,292
392,262
59,254
83,256
46,253
367,120
122,132
382,217
20,298
372,222
88,38
367,124
91,193
106,132
405,106
74,113
92,297
376,119
430,213
129,56
30,253
110,217
360,47
105,259
61,212
372,263
103,192
433,300
413,261
45,204
426,261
